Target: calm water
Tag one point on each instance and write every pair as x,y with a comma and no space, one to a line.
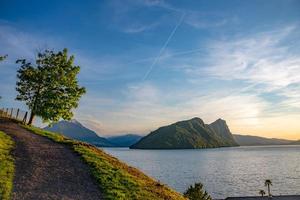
235,171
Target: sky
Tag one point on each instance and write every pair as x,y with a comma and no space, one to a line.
149,63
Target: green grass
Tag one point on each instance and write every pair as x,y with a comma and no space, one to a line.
116,180
7,168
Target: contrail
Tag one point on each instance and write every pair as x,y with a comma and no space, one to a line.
180,53
163,47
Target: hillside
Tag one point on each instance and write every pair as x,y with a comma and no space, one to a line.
116,179
295,142
220,127
188,134
124,140
67,169
75,130
248,140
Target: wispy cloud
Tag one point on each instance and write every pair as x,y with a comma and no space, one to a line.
21,44
137,28
261,58
203,20
130,17
148,106
126,16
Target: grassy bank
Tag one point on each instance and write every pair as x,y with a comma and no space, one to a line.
6,166
117,180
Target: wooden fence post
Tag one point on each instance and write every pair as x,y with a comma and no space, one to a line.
25,118
11,112
17,114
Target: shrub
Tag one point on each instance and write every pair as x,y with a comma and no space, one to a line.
197,192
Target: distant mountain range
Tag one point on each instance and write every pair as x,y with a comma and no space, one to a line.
124,140
297,142
73,129
248,140
191,133
188,134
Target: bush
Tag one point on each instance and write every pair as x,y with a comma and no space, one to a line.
197,192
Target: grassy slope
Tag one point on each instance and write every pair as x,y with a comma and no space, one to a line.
6,166
116,179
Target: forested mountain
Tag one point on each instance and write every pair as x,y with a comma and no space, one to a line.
188,134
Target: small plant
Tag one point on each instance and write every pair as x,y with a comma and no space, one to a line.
262,192
197,192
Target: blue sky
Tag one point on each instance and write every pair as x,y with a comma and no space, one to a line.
149,63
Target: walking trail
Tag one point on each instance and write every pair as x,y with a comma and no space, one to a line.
47,170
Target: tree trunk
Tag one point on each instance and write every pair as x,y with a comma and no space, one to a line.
269,190
31,118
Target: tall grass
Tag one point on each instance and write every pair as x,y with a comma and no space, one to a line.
7,168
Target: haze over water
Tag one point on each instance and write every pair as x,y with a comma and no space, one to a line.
235,171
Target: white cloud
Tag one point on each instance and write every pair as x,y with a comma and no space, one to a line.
292,97
126,20
262,58
21,44
137,28
147,107
203,20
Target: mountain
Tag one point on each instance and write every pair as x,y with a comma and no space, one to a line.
220,127
297,142
188,134
248,140
73,129
124,140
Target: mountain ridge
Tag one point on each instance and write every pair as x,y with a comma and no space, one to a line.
75,130
251,140
188,134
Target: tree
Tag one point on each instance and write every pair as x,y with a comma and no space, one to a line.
268,183
3,57
49,87
262,192
197,192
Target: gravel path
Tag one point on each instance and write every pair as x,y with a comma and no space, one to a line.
47,170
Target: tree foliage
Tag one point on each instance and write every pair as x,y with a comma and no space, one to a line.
197,192
49,87
3,57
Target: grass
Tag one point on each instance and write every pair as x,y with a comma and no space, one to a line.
7,168
116,180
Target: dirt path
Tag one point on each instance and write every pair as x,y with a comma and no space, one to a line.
47,170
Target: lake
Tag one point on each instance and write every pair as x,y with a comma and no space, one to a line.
234,171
